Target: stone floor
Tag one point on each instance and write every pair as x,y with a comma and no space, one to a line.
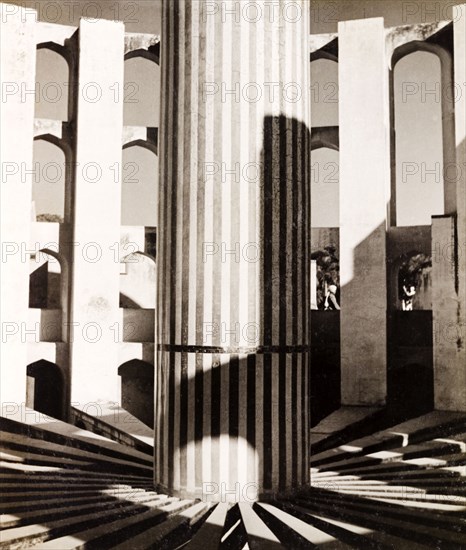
402,487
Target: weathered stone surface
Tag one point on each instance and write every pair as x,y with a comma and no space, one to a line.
97,212
364,193
16,134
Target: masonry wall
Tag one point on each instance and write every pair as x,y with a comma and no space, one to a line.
61,320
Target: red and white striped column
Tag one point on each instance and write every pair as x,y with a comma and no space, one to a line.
232,410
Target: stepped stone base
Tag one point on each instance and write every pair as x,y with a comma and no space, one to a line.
402,487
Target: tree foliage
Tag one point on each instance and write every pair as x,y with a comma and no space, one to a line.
54,218
413,267
328,271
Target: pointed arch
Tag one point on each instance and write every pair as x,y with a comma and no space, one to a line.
138,281
139,202
426,161
53,71
141,90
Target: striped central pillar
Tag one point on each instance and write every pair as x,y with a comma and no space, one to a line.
232,393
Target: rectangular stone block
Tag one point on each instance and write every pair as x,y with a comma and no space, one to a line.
458,400
97,212
364,193
17,59
449,326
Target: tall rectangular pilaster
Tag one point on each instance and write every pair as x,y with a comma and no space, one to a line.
449,258
17,59
96,217
364,192
448,338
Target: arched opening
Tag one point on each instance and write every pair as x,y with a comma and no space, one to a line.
325,187
52,82
45,389
421,135
48,188
48,291
324,92
139,185
137,390
138,281
45,281
141,90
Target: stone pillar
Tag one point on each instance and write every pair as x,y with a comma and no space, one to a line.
17,51
96,215
449,258
364,193
232,393
448,327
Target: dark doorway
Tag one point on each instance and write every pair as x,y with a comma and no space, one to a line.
411,390
410,377
137,390
45,387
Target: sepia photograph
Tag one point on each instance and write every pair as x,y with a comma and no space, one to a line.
233,274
